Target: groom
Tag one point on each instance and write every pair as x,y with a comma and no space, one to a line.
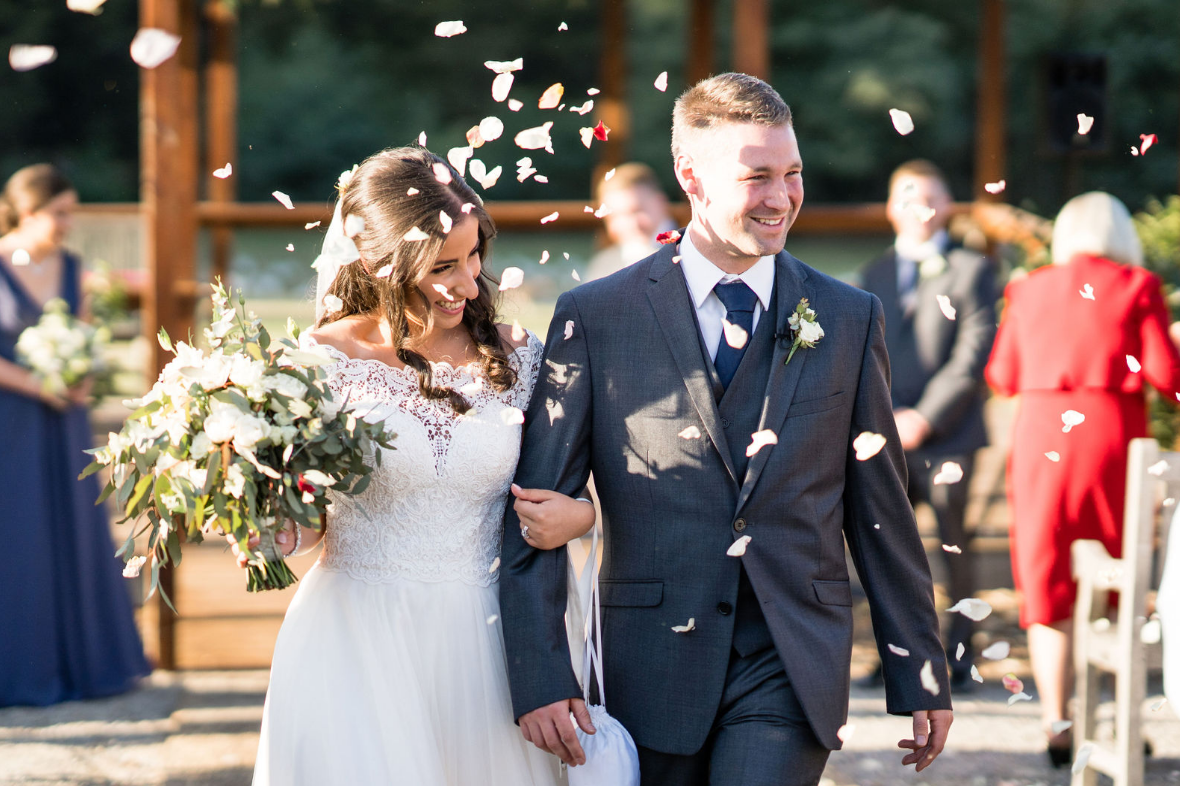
674,382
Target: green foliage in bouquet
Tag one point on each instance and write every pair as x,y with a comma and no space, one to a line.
1159,232
61,350
237,440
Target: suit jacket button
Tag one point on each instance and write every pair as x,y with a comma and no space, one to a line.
739,525
724,608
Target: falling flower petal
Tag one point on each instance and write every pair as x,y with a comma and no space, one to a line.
21,258
692,432
536,138
441,173
312,225
995,188
666,238
569,329
759,440
1012,683
997,651
587,135
284,200
1059,726
1159,705
566,254
1147,140
608,175
544,257
845,732
552,96
494,566
448,29
442,290
446,221
415,235
492,619
561,28
512,416
1158,468
474,137
975,675
867,444
353,225
896,650
1083,758
511,278
584,108
949,474
593,91
739,546
1071,418
224,172
551,217
661,82
1087,293
466,209
485,178
458,157
504,66
1133,364
901,121
923,212
384,272
411,191
951,549
972,608
959,651
501,86
491,128
290,246
332,304
928,681
692,623
152,46
515,105
575,275
85,6
603,211
601,131
1085,123
1022,696
735,335
944,303
524,168
1053,455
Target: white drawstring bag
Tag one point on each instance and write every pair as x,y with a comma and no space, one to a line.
611,757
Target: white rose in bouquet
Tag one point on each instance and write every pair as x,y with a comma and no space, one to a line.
61,350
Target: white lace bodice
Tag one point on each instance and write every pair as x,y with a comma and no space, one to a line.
434,508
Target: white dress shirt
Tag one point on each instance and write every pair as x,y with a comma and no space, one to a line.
702,275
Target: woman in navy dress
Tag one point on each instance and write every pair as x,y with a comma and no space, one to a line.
66,624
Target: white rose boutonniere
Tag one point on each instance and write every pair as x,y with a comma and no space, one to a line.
805,328
932,267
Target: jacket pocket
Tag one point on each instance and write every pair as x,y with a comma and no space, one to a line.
631,593
833,593
813,405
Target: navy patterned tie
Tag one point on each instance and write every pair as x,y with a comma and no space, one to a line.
739,301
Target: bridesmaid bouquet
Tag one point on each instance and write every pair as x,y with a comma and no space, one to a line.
234,441
61,350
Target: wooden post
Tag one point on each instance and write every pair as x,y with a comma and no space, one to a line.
168,192
612,102
699,64
221,120
991,111
751,37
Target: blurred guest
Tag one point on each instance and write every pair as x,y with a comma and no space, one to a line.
638,211
66,625
1078,340
937,358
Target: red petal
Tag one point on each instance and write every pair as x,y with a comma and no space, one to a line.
671,236
600,132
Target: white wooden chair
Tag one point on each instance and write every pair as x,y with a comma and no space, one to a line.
1117,646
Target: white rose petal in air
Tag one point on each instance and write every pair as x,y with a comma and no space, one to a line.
485,178
1083,758
467,208
735,335
692,623
759,440
515,105
283,199
569,329
867,444
495,566
332,304
551,217
1159,705
552,96
995,188
959,651
927,677
975,675
440,289
1022,696
536,138
739,546
491,128
224,172
1087,292
458,157
384,272
561,28
311,225
845,732
901,651
492,619
1085,123
512,416
1133,364
415,235
949,474
575,276
944,304
21,258
85,6
441,173
1053,455
353,225
661,82
290,246
997,651
901,121
972,608
511,278
448,29
1071,418
544,257
446,221
608,175
593,91
692,432
587,135
501,86
504,66
951,549
152,47
584,108
1059,726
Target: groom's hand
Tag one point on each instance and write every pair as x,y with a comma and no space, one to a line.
930,731
550,729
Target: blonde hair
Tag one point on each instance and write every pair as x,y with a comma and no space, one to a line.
726,98
1098,224
28,190
628,176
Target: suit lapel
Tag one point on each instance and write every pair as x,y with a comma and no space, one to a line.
790,284
673,307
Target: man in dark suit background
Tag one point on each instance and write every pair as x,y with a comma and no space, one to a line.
682,384
937,352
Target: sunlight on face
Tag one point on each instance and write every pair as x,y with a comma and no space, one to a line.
745,183
49,226
451,282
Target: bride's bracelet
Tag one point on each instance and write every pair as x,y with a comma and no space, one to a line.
298,540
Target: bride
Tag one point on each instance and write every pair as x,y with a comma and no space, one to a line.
390,666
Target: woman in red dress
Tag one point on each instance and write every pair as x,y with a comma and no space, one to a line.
1078,339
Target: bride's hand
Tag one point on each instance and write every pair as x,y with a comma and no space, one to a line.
284,537
549,520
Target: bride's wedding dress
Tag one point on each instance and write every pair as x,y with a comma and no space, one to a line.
389,667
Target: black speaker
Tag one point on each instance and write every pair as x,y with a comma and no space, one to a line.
1075,83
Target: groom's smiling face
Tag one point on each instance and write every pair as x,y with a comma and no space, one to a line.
745,183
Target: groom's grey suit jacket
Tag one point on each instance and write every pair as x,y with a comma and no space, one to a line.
620,397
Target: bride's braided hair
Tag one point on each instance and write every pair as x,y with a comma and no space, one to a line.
393,192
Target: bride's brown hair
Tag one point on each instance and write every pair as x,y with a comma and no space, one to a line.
394,192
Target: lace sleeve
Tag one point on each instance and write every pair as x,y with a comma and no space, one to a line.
527,362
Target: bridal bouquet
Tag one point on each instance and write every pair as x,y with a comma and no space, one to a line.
61,350
235,441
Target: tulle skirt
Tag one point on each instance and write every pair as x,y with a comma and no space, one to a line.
393,683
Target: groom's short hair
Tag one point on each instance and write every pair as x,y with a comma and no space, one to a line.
726,98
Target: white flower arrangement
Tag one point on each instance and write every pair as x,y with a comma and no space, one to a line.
804,327
236,440
61,350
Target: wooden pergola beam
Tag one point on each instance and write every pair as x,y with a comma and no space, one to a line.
700,59
991,110
751,37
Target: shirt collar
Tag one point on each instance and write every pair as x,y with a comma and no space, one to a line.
702,275
917,252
